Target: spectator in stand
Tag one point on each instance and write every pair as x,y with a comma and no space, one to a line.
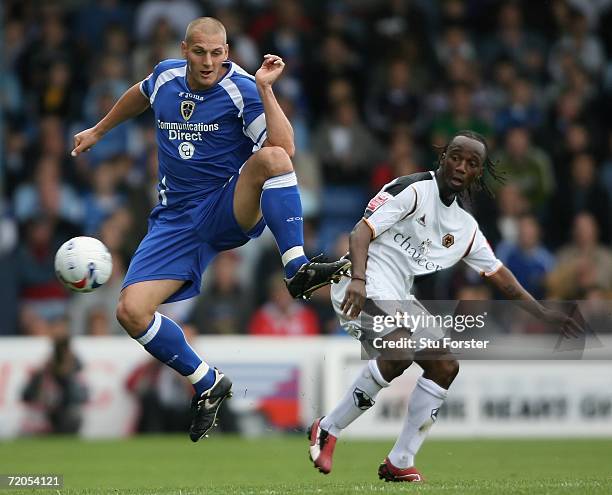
606,170
225,306
339,18
403,159
346,148
9,289
100,100
162,44
104,198
42,295
584,193
578,44
581,264
334,60
48,195
111,75
394,100
394,22
460,116
595,309
282,315
526,49
117,41
51,43
93,22
454,43
528,259
566,131
16,167
245,51
511,205
97,323
288,35
527,166
521,111
339,90
58,95
178,13
57,391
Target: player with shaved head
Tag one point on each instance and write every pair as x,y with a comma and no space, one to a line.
225,172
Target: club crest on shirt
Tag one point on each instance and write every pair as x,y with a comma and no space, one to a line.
448,240
187,108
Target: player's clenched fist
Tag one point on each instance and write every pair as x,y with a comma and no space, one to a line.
354,298
271,67
84,140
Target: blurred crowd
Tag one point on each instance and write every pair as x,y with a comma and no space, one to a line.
372,87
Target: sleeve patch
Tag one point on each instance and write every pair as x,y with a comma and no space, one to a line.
377,202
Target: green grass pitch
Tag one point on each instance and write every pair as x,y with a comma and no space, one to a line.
278,465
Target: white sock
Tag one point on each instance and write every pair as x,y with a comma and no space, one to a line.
425,402
358,399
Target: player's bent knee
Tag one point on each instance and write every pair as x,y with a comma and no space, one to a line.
131,315
275,161
452,369
393,368
446,371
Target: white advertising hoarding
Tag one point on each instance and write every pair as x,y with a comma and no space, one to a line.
492,399
306,376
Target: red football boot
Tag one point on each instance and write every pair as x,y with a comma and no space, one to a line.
322,444
388,472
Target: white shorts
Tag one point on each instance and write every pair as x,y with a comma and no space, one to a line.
371,322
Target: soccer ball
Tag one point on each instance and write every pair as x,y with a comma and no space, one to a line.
83,264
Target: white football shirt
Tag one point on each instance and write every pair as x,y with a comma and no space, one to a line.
415,233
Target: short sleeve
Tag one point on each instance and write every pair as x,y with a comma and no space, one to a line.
146,86
388,207
253,116
480,256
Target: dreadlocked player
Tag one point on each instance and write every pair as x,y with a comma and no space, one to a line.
413,227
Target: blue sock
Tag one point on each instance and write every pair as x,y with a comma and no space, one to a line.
282,210
165,340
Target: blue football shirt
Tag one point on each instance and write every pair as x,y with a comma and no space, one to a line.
203,137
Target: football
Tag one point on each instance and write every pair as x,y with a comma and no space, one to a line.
83,264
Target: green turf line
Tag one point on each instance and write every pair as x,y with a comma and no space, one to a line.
279,465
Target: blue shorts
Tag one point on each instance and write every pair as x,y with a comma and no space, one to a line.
181,241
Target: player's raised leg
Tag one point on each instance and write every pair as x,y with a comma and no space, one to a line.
425,402
267,186
163,339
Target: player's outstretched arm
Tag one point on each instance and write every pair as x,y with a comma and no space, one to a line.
131,103
355,295
505,281
278,127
